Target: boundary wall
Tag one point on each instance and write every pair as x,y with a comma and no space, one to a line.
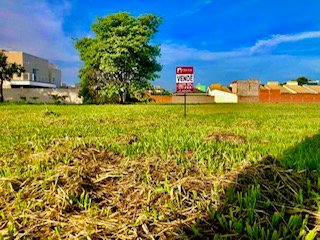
42,95
180,99
274,96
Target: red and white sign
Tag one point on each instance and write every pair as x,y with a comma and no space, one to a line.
184,79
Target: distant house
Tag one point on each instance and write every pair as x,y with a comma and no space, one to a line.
292,83
157,90
222,94
290,92
313,82
276,86
310,82
246,87
291,87
39,72
201,87
246,90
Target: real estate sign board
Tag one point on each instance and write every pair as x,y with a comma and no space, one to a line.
184,79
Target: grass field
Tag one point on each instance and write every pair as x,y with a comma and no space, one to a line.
245,171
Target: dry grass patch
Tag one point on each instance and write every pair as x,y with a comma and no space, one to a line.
104,195
226,137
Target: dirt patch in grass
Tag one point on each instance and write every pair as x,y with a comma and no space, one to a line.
226,137
105,195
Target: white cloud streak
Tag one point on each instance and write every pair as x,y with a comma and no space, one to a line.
174,53
196,8
278,39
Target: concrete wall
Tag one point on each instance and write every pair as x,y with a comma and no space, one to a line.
248,99
193,99
270,96
273,96
180,99
41,95
161,99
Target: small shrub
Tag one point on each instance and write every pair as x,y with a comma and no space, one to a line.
58,99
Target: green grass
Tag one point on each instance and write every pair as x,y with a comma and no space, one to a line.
227,171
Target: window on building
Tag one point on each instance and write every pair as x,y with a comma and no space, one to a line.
35,74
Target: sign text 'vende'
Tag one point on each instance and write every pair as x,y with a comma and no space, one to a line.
184,79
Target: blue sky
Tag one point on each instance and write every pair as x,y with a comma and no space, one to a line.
224,40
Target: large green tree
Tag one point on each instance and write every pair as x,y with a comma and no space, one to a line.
7,70
120,58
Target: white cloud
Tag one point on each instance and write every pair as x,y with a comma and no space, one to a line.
36,27
196,8
278,39
173,53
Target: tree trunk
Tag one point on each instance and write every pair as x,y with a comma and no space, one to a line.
123,97
1,91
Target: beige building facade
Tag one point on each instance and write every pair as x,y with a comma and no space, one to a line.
39,72
247,88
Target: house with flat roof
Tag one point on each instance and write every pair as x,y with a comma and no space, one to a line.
39,72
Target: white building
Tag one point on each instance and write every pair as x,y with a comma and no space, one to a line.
39,72
222,94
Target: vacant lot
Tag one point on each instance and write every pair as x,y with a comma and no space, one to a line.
143,171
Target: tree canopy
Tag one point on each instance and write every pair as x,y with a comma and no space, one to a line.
7,70
119,59
302,80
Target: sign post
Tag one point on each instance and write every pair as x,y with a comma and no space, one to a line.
185,105
184,83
